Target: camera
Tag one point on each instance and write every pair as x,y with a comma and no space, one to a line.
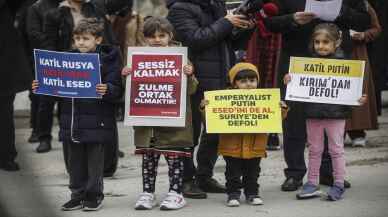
249,7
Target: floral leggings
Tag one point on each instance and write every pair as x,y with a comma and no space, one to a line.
150,170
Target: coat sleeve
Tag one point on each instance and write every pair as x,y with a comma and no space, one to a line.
192,34
34,27
354,15
51,29
374,31
113,78
283,22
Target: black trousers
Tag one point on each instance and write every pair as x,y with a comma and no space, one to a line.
34,111
242,174
86,169
46,115
294,141
7,129
207,150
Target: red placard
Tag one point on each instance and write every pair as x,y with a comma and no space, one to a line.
156,85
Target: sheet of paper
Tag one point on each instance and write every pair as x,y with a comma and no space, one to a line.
327,10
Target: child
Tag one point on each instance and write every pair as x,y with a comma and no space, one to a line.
173,142
242,152
86,125
329,118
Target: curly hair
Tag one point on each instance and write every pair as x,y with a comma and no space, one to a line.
92,26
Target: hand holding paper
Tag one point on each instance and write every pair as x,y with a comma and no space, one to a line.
327,10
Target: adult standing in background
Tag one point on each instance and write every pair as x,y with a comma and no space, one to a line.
296,27
208,32
16,74
378,51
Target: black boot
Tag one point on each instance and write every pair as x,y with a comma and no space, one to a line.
191,190
34,137
291,184
211,185
9,166
44,146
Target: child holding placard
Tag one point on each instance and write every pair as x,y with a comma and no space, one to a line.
329,118
88,125
173,142
243,152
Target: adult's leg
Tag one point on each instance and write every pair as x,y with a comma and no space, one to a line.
45,123
34,114
294,142
7,133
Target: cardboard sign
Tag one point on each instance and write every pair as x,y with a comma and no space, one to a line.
156,88
329,81
63,74
243,111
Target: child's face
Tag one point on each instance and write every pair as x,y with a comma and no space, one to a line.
246,83
86,42
323,45
159,39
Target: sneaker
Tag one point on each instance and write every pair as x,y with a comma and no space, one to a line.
308,191
328,181
92,205
335,193
72,204
233,202
191,190
173,201
254,200
359,142
146,201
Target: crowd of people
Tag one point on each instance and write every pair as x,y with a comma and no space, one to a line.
267,38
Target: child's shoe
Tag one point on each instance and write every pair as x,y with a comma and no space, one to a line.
233,201
92,205
335,192
146,201
173,201
254,200
72,204
308,191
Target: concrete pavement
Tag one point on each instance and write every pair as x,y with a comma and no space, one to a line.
40,188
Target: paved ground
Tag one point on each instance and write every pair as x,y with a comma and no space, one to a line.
40,188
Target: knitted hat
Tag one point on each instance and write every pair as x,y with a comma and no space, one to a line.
240,67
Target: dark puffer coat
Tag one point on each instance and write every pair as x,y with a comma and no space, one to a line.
93,120
200,25
328,111
15,71
59,26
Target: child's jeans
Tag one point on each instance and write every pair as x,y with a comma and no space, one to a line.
334,129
